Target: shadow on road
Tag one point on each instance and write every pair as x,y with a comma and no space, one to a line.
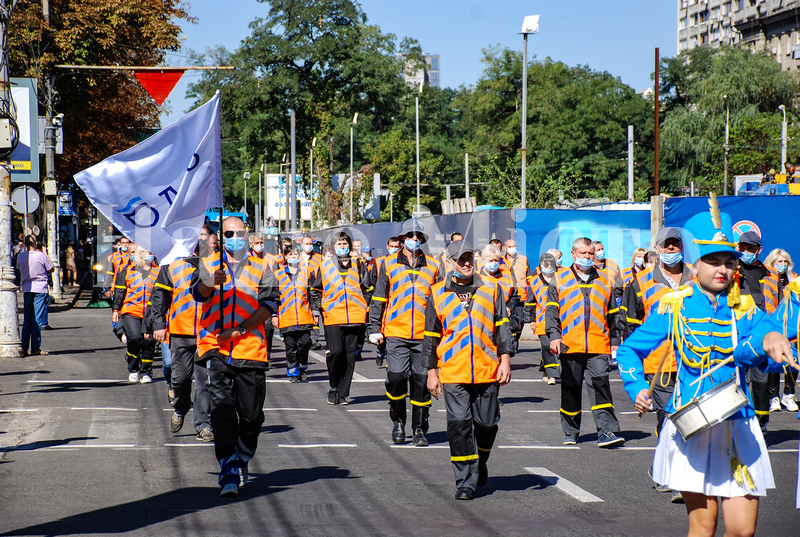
275,429
176,503
43,444
513,483
9,373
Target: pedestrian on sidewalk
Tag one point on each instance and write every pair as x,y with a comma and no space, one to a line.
34,266
132,290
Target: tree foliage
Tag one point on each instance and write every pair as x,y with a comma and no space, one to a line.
105,112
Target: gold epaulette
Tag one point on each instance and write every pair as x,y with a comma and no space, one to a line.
734,294
673,302
794,286
746,306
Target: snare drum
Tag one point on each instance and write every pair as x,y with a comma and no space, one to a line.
711,408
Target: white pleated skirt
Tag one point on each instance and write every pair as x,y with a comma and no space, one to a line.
703,464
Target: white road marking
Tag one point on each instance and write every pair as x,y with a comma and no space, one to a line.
301,446
204,444
78,381
108,446
105,408
19,410
781,450
637,448
289,409
538,447
564,485
366,410
412,446
356,376
514,379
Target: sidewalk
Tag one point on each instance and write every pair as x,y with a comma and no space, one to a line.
69,296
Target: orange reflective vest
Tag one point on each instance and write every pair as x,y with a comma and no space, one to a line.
612,270
184,311
539,292
241,302
313,263
467,352
651,293
137,290
342,299
627,276
770,286
584,327
404,316
505,281
294,309
520,267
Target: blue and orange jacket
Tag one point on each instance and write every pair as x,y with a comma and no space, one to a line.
294,312
337,292
173,306
132,289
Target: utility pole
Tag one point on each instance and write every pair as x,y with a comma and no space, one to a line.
293,179
9,318
657,106
51,209
630,162
417,115
727,133
466,173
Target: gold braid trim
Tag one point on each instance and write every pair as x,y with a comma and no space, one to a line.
673,302
734,294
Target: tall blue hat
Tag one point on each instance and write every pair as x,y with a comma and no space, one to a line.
709,233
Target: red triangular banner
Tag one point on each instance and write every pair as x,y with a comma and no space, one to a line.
159,84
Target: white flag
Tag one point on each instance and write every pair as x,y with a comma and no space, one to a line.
157,192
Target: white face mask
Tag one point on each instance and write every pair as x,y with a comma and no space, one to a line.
512,251
258,248
308,248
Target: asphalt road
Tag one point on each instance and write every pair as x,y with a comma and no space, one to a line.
84,452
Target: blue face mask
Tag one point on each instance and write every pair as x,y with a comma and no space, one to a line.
601,255
781,268
149,258
748,258
671,260
584,263
368,258
457,272
639,262
294,262
548,271
235,244
492,266
342,252
412,244
393,251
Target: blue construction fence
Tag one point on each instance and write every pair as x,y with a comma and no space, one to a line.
775,218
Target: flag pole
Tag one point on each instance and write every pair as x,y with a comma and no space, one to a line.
222,266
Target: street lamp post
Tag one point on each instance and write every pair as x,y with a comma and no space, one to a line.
311,180
783,140
529,26
352,182
417,114
246,176
727,135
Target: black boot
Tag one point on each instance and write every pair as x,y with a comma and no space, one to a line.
399,432
397,412
419,423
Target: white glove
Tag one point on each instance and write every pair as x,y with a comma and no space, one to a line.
376,339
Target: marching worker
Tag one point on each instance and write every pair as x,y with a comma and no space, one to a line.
233,344
397,315
132,289
493,270
392,247
601,263
467,350
294,318
781,261
337,291
550,366
312,260
175,316
720,465
442,259
762,283
637,265
641,298
581,321
116,260
523,276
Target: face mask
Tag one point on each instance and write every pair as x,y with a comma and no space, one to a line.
671,260
413,245
293,262
234,244
781,268
601,255
342,252
149,258
584,263
368,257
258,248
548,271
639,262
393,251
308,248
492,266
456,271
748,258
512,251
558,262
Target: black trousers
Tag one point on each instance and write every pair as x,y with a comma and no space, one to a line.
662,393
573,369
473,412
405,367
774,383
550,363
297,343
342,343
140,350
237,413
759,389
183,351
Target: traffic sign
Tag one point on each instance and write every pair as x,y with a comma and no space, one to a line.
25,200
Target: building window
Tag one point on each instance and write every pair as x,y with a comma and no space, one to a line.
435,63
703,16
684,4
684,44
703,38
693,20
684,23
434,80
714,13
739,5
726,8
715,35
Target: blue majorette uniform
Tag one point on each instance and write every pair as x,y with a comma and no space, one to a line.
729,459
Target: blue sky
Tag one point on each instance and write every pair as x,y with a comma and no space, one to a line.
618,36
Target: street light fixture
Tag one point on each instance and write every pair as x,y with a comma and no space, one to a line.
529,26
311,180
783,140
246,176
355,121
417,113
727,134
